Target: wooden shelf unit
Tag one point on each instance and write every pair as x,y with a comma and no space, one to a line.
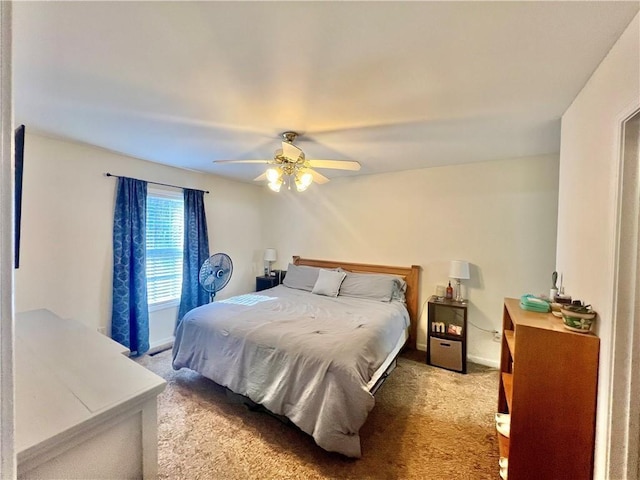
507,384
550,392
510,337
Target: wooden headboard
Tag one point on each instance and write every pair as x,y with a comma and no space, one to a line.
411,276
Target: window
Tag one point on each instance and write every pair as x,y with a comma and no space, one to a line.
165,220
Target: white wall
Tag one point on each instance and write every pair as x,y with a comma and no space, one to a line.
67,220
500,216
7,431
587,205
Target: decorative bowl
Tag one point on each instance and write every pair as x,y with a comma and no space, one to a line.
578,319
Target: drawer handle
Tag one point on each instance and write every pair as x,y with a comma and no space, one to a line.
445,344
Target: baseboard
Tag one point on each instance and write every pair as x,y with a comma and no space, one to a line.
160,345
483,361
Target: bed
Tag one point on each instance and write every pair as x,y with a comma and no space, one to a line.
304,353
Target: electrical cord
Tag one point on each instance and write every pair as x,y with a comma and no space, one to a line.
422,308
480,328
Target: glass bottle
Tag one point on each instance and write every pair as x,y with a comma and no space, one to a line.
449,294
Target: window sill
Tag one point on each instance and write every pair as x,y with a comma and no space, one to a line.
164,305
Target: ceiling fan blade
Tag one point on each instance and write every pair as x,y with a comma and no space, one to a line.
317,176
290,151
242,161
336,164
260,178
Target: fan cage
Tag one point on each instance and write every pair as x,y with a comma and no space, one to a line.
215,273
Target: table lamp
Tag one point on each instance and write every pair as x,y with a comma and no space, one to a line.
270,255
459,270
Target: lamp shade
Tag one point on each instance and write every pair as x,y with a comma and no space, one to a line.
459,269
270,255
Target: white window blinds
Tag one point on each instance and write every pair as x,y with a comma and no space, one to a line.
165,219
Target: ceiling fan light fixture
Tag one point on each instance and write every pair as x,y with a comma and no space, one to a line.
306,179
275,186
273,175
303,181
300,186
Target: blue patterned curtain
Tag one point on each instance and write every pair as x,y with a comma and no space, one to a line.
130,314
196,251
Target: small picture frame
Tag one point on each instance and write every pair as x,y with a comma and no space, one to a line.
454,329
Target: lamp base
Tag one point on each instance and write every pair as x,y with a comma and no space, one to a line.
459,298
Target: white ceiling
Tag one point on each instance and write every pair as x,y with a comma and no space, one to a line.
394,85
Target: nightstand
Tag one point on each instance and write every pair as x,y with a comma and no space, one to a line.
264,282
447,334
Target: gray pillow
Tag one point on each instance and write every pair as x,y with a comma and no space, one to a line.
301,277
373,286
328,283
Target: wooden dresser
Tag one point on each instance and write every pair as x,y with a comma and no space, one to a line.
548,385
83,408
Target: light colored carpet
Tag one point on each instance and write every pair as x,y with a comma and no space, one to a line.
428,423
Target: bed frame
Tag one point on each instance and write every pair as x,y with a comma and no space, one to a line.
411,276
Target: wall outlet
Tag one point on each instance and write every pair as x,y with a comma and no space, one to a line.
497,336
102,330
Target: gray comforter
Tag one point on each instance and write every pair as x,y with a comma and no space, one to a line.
304,356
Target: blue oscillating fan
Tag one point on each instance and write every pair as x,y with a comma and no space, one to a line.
215,273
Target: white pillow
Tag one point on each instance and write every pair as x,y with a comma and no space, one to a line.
328,283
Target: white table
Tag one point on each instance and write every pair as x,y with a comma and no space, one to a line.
83,408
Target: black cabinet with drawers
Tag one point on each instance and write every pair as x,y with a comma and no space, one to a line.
447,334
264,282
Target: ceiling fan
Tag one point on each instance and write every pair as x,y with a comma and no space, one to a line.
291,166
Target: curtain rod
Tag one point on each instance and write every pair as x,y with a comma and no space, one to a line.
155,183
